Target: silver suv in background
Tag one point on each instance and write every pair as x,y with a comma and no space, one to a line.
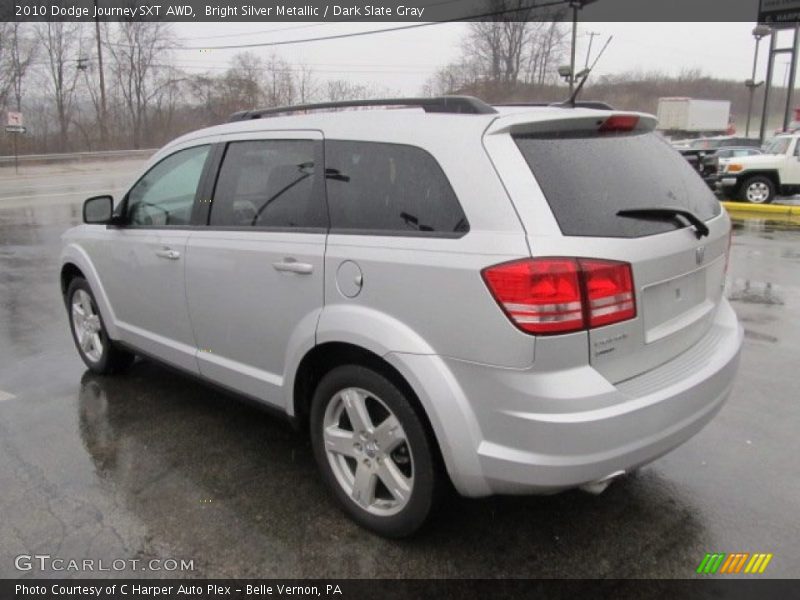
519,299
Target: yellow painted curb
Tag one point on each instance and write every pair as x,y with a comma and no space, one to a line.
772,209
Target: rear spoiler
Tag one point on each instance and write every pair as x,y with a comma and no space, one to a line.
573,121
595,104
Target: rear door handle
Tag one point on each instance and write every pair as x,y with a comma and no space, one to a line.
289,265
169,254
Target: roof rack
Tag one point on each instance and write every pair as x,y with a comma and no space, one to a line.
595,104
440,104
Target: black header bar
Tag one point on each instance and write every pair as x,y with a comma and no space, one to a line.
413,11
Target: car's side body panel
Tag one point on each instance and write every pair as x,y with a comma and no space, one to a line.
244,311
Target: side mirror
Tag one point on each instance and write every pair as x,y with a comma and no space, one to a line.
98,210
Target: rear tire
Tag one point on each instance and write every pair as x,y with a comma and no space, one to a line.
757,190
374,451
98,352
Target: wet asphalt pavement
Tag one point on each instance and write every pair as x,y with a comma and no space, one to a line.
152,464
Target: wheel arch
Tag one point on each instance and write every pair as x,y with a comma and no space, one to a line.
432,391
76,263
325,357
771,174
69,271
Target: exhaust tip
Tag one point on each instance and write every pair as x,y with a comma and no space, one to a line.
599,486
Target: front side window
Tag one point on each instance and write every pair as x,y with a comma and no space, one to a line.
389,188
268,183
165,195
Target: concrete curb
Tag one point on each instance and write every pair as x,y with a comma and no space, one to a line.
771,209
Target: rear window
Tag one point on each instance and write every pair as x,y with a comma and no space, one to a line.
586,180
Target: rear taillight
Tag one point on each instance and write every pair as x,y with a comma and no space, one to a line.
539,296
728,250
559,295
609,291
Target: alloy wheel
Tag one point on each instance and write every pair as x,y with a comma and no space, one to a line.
86,325
368,451
757,192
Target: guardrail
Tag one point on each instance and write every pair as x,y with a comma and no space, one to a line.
6,161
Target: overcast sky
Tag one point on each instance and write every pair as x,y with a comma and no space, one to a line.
401,61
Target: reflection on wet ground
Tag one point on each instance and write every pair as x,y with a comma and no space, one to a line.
153,464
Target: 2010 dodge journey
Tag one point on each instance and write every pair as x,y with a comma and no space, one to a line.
520,299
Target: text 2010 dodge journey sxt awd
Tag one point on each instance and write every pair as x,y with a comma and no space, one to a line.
519,299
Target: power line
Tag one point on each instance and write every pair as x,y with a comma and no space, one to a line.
200,63
592,35
296,69
314,39
307,26
375,31
260,31
340,36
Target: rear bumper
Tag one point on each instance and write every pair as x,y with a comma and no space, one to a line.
576,427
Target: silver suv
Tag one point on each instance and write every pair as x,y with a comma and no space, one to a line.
520,299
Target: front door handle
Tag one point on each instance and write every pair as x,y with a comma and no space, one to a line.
289,265
168,254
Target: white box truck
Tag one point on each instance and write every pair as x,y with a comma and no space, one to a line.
691,116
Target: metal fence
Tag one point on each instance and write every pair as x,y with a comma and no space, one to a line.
30,159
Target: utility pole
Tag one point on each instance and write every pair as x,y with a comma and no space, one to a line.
759,32
103,124
575,4
591,35
768,85
787,114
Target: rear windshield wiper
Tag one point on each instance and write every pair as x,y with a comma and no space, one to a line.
667,212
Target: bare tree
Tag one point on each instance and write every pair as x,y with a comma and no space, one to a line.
499,45
341,90
167,97
205,90
452,78
306,85
22,51
547,48
61,43
279,84
245,80
520,45
6,65
140,53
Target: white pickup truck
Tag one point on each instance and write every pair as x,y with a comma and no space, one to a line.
759,179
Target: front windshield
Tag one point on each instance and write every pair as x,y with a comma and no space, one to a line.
778,145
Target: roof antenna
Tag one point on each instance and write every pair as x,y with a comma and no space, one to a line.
571,100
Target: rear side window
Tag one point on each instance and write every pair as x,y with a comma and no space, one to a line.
268,183
586,180
389,189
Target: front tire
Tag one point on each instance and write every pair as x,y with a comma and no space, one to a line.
374,451
757,190
98,352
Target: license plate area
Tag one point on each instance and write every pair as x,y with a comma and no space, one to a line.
672,305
